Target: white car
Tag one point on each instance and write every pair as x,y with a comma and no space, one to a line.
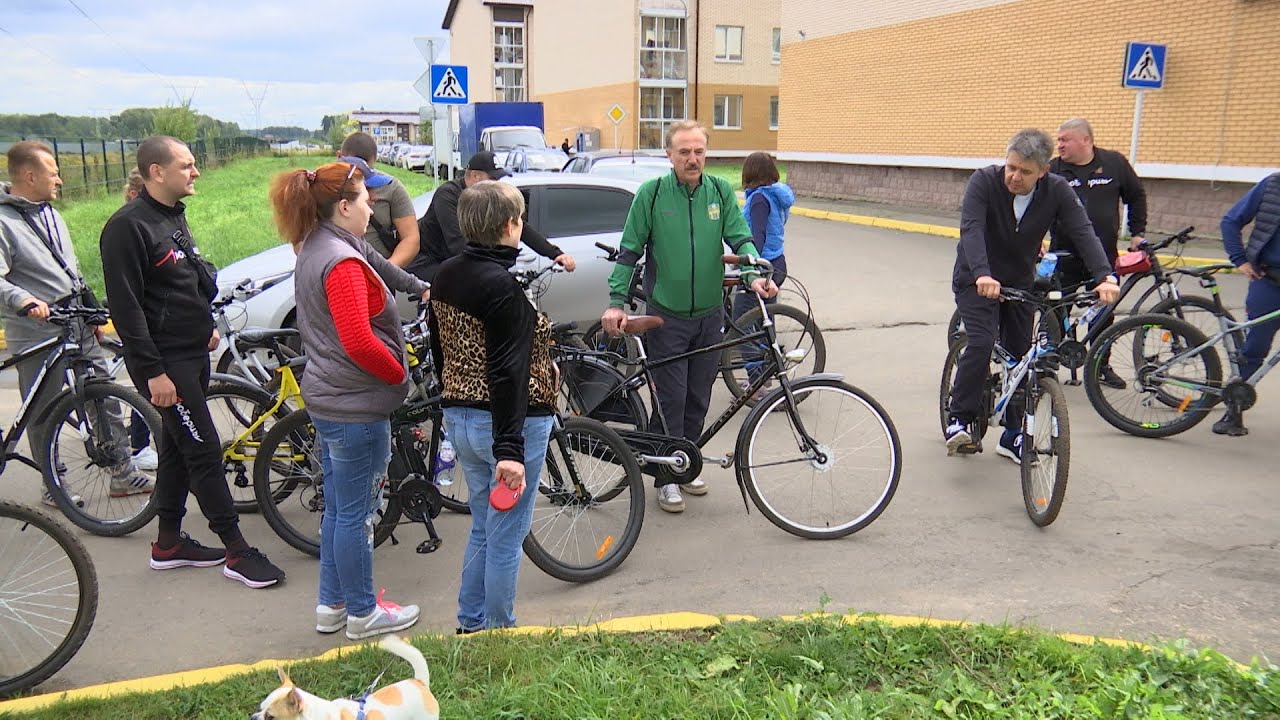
574,211
418,158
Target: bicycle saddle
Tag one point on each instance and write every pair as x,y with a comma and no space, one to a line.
640,324
259,335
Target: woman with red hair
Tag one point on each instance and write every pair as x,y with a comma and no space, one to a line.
356,376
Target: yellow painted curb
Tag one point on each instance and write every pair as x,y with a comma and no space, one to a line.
643,623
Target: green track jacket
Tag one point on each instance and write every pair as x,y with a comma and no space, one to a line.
684,234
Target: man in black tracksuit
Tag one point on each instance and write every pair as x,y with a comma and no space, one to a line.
438,231
1102,180
1006,212
158,291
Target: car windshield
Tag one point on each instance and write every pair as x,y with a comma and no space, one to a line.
507,139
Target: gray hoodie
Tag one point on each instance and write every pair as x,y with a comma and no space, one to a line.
27,265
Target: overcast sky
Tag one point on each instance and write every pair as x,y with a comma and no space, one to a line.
319,56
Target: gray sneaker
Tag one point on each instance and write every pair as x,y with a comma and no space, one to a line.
697,486
329,619
386,617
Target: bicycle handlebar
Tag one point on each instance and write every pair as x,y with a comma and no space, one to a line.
62,315
1182,236
749,260
1048,298
249,288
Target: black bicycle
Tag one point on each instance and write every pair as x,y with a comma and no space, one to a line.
84,445
578,534
804,351
818,457
48,596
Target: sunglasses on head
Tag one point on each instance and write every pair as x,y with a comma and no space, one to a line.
342,191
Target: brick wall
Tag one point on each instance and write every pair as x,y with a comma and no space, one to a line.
1171,204
586,107
959,84
755,133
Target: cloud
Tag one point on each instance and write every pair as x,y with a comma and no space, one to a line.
319,57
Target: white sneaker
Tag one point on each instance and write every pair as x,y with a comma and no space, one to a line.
386,617
47,499
669,499
329,619
131,483
697,487
146,459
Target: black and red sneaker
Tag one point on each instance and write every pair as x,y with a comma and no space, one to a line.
252,568
187,553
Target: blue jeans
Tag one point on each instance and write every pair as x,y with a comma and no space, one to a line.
491,563
1262,297
354,457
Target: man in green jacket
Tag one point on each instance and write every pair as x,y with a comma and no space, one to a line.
682,221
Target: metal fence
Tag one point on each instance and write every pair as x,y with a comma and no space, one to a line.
94,167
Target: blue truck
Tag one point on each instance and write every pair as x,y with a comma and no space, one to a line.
498,127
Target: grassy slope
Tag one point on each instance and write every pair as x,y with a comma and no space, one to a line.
815,669
229,214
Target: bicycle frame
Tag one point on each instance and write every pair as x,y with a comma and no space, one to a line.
62,347
289,389
1013,372
1229,327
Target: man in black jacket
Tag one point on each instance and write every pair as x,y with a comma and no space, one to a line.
1102,180
158,290
438,228
1006,212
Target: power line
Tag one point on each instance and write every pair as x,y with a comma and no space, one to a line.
128,52
42,53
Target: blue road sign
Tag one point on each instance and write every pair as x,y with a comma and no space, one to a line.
1144,66
449,84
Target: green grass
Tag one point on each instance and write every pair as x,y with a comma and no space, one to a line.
229,215
815,669
732,171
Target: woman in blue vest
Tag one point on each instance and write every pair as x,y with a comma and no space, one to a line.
767,208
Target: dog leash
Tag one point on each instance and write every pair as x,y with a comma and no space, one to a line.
364,697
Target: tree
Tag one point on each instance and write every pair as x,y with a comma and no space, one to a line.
176,121
426,135
340,127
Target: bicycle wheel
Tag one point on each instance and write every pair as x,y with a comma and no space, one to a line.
234,409
1046,450
49,592
85,438
833,489
955,328
804,351
591,387
596,339
289,458
1201,313
944,390
576,535
1155,401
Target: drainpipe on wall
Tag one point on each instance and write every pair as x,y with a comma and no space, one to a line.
697,17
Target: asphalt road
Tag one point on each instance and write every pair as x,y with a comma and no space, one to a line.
1158,539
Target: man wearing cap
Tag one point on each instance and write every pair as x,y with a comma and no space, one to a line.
438,229
393,229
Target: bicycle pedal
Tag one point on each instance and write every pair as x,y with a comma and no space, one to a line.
428,546
971,449
1073,383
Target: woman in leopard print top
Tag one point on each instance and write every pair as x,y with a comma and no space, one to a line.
492,349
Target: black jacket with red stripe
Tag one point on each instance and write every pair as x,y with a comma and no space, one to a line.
158,286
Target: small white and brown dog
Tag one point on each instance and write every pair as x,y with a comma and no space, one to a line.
406,700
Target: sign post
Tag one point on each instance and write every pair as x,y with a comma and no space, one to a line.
616,114
1144,65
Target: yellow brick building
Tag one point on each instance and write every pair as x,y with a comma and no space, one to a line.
661,61
898,102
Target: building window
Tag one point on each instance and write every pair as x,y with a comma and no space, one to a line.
777,45
773,113
508,61
663,52
728,112
729,43
660,107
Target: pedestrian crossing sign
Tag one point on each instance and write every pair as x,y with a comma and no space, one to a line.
1144,66
449,84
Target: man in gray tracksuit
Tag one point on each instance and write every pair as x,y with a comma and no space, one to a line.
38,268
